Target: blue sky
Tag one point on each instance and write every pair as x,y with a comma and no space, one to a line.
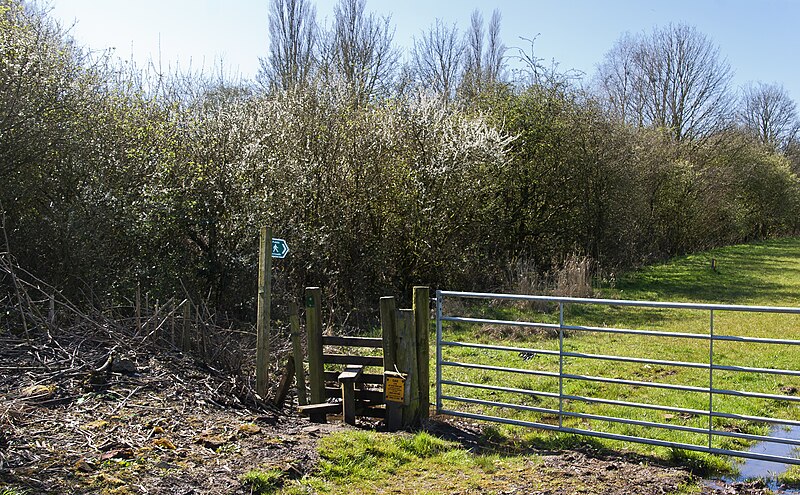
760,38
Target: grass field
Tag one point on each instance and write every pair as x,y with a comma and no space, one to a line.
758,274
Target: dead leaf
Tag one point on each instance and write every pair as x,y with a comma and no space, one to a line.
164,443
38,392
249,429
95,425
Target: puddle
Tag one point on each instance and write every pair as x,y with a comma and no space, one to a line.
750,469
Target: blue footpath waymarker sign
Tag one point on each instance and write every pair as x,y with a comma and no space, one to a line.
279,248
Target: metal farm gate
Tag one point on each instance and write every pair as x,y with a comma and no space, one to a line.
721,367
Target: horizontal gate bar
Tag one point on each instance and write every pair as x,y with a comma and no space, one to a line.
534,393
660,362
624,302
347,341
594,417
625,359
583,328
756,395
518,407
634,422
464,319
757,419
624,331
473,345
655,407
697,412
628,331
757,438
355,360
618,381
550,374
626,438
685,388
756,340
746,369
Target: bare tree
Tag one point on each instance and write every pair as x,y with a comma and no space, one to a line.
473,61
359,50
483,64
617,80
437,58
770,114
293,39
672,77
494,58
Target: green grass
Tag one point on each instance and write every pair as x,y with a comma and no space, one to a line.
790,477
765,273
262,482
371,462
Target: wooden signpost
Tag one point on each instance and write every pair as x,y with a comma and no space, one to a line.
268,248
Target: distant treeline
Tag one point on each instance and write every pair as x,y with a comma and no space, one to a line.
381,169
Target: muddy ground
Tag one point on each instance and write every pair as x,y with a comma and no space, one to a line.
162,423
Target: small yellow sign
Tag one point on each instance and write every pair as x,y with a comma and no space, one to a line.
394,387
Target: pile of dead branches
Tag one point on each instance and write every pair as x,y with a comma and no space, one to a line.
45,331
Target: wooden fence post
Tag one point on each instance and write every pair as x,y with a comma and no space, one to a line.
407,363
389,335
316,368
263,312
297,352
422,322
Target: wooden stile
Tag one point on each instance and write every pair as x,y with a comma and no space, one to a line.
405,361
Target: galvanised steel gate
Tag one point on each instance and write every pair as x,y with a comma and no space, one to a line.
559,395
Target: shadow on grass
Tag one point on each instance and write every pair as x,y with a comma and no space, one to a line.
489,439
742,273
